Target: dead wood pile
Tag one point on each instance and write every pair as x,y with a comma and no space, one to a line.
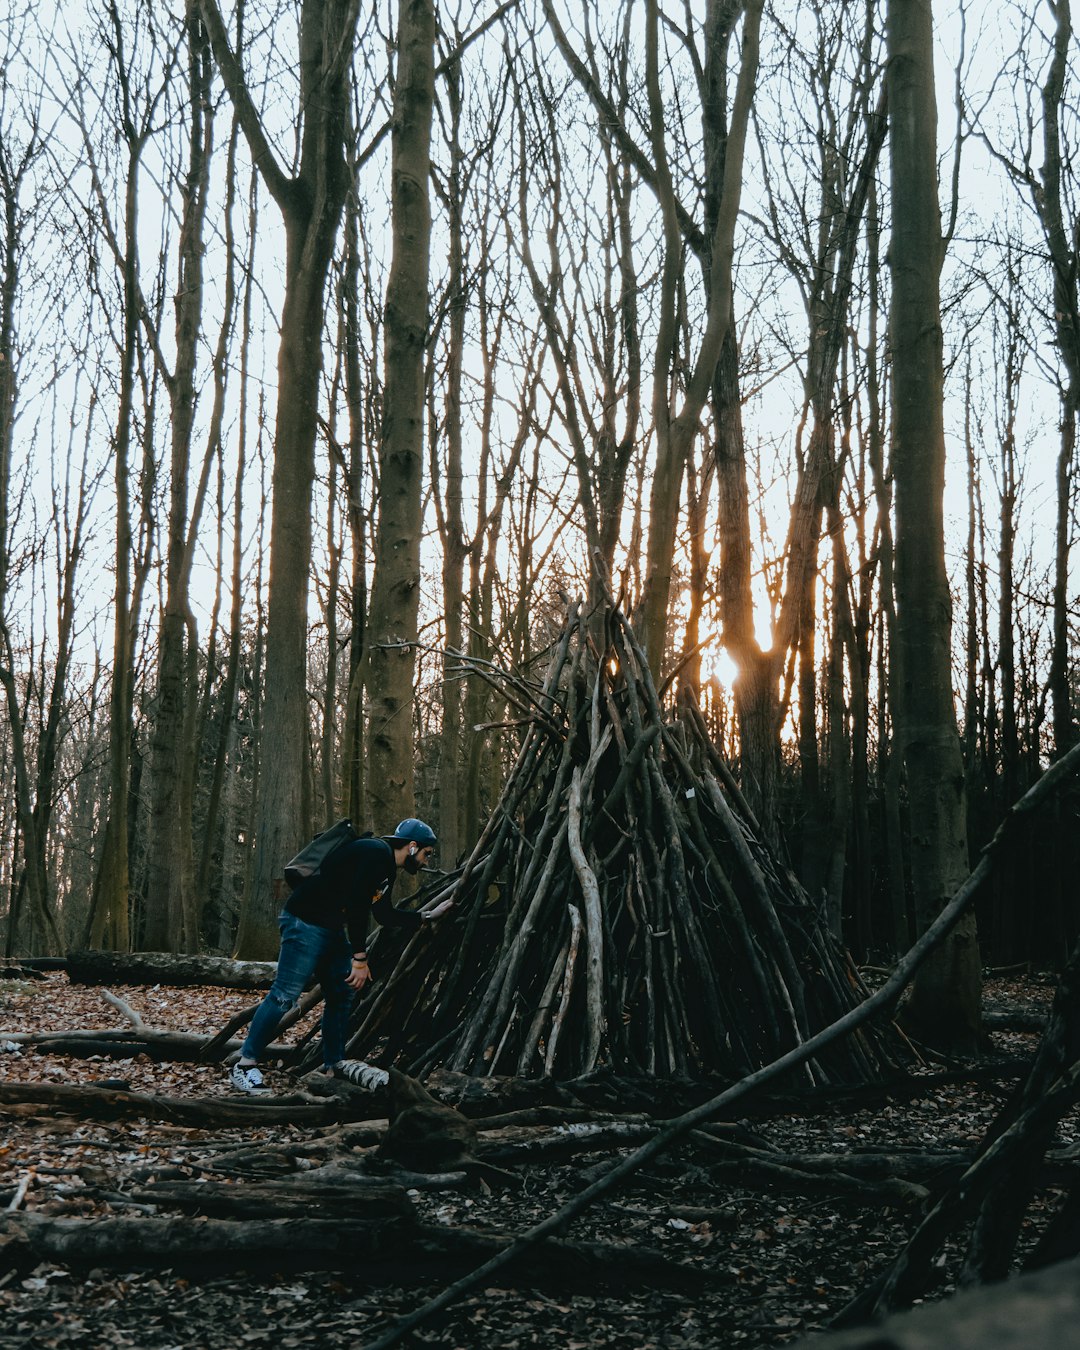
619,910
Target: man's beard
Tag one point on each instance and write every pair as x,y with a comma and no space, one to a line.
412,864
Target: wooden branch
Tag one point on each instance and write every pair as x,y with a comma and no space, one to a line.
279,184
510,1147
758,1170
594,930
567,985
218,1046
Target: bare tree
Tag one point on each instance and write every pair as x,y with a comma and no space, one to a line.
18,154
395,589
944,1005
171,919
580,207
138,105
311,202
676,429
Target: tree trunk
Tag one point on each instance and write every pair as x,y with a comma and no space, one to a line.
226,692
395,591
676,431
944,1006
358,399
451,515
311,205
755,691
170,917
31,821
109,923
168,968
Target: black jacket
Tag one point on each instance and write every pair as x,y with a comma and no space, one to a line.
355,882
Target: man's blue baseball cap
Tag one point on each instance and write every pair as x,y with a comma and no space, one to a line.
415,832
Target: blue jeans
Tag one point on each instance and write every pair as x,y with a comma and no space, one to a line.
306,950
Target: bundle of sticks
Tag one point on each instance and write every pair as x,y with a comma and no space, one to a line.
619,910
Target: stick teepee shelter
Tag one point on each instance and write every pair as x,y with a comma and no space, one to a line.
619,910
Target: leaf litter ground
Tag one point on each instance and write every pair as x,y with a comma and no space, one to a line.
778,1264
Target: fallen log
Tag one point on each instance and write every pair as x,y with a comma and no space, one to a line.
12,970
207,1112
142,1039
324,1194
663,1098
168,968
749,1168
505,1148
160,1046
757,1171
1015,1019
393,1247
139,1243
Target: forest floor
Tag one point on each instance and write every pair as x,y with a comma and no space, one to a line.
769,1266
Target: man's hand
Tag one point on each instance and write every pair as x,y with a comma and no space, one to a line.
439,909
359,975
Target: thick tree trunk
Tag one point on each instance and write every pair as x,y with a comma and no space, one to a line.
39,922
358,398
280,823
452,522
222,732
944,1006
395,591
311,205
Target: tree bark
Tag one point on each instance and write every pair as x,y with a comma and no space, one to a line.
676,431
395,591
169,968
943,1010
170,918
311,205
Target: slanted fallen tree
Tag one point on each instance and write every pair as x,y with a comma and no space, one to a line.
619,910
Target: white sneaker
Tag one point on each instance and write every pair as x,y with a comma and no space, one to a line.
247,1078
366,1076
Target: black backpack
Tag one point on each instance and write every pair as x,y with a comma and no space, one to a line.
311,858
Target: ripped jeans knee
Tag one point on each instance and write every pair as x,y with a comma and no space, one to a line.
283,999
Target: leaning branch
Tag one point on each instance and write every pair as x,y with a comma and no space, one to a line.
278,182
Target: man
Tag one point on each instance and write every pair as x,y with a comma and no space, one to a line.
324,933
